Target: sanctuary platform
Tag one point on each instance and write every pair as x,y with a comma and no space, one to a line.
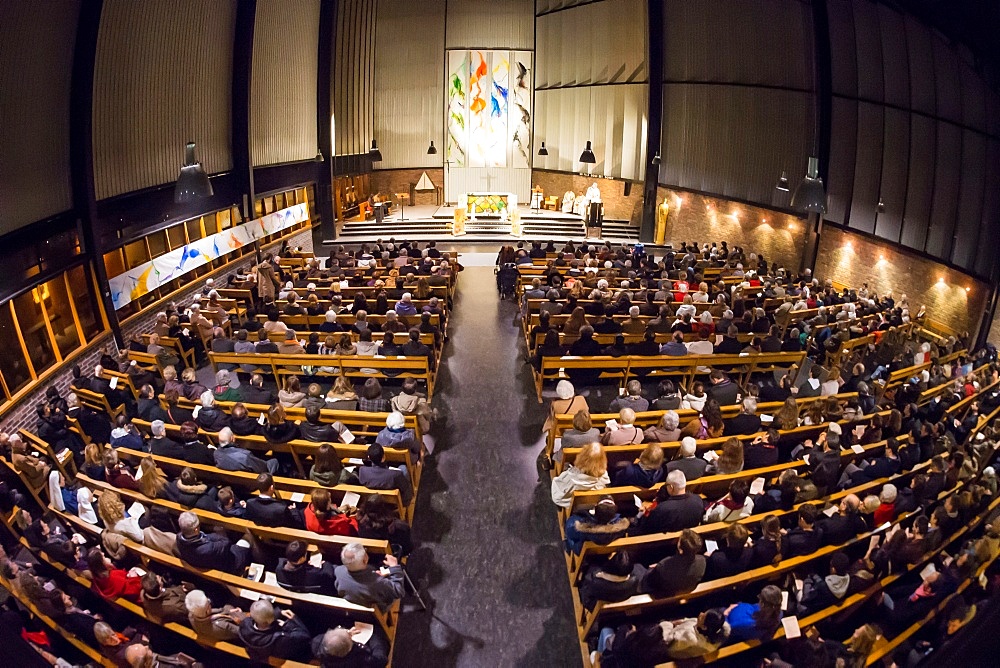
434,222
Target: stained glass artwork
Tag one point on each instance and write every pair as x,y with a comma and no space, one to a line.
488,101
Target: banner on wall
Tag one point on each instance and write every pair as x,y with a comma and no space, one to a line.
145,278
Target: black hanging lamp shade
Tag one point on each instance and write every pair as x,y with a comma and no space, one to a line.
782,182
374,153
192,182
588,155
810,196
543,150
656,158
432,149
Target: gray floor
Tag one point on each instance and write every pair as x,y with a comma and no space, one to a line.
489,560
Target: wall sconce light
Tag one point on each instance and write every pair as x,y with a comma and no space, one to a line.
880,207
940,280
968,289
848,246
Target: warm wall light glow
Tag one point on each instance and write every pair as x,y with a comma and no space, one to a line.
968,289
940,280
848,246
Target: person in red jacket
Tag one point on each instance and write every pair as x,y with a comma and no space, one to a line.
886,512
111,582
323,517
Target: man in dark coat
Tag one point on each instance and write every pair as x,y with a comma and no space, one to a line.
209,551
266,510
295,573
266,636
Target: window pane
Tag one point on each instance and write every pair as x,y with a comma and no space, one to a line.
194,229
12,364
157,243
60,315
36,337
176,236
211,224
83,298
114,263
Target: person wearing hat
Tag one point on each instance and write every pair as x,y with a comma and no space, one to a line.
601,524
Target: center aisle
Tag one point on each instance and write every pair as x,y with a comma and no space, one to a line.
489,562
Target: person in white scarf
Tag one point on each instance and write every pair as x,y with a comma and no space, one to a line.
85,500
55,491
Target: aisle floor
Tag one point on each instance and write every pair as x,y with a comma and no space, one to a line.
489,560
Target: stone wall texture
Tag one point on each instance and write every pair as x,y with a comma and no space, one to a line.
778,236
391,181
854,259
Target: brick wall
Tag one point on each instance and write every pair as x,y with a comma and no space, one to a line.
854,259
692,217
21,415
994,334
391,181
616,205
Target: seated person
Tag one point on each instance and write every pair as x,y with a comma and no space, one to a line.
376,474
395,434
266,509
626,432
688,461
600,525
632,399
673,510
616,580
679,573
190,492
337,648
319,432
644,472
296,573
231,457
266,637
215,624
210,417
363,585
208,551
804,538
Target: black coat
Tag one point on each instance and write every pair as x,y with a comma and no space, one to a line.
307,578
244,426
192,496
673,514
208,551
212,419
196,452
290,640
257,395
166,447
742,425
270,512
724,392
318,433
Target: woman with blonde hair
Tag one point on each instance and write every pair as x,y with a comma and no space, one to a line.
170,381
731,459
153,480
342,396
111,510
93,460
571,328
588,472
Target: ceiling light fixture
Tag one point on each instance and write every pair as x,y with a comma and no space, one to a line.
192,181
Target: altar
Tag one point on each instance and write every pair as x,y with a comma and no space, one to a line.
490,204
